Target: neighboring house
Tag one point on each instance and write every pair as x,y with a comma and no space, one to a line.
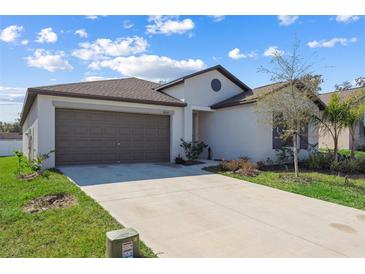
344,140
133,120
9,143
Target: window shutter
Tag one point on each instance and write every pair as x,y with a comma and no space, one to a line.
277,131
304,137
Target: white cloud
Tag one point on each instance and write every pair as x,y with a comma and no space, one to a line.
236,54
150,67
286,20
331,43
97,78
46,35
81,32
24,42
127,24
11,95
103,48
91,17
273,51
11,33
49,61
169,25
347,18
218,18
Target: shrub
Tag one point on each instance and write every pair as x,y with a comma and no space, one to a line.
284,155
242,166
27,167
192,150
319,160
345,166
361,164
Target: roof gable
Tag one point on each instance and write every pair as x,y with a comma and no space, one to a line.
219,68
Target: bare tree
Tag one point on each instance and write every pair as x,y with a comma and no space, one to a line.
343,86
360,82
292,102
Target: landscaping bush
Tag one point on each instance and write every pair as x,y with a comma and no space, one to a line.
347,166
242,166
361,164
192,150
319,160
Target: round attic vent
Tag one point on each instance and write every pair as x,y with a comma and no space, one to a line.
216,85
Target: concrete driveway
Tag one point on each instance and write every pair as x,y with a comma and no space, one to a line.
186,212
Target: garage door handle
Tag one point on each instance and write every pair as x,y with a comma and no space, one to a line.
118,144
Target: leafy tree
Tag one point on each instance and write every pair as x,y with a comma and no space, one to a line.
333,120
292,103
11,127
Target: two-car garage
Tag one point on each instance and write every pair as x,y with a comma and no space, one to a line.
93,137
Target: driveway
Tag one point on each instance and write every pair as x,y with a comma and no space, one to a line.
186,212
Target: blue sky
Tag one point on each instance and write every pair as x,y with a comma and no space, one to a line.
46,50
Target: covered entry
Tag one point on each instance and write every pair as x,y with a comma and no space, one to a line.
93,137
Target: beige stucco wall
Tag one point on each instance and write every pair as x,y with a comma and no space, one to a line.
197,93
239,132
326,140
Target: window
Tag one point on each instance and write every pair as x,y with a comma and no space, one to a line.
216,85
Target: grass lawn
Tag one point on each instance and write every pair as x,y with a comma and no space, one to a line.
77,231
347,152
323,186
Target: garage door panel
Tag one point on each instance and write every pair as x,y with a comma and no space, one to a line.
90,137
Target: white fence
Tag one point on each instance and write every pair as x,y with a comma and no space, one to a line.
7,147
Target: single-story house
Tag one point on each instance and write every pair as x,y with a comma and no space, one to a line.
344,139
10,142
134,120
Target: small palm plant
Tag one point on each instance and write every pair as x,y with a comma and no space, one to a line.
355,113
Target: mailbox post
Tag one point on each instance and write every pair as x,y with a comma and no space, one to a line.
123,243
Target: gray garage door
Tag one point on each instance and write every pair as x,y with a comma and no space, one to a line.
87,137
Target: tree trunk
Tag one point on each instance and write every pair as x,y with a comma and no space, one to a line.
335,147
352,133
295,156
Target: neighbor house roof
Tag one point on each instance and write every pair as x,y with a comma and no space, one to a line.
344,94
251,96
219,68
10,136
127,90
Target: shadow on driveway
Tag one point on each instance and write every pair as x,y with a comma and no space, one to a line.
87,175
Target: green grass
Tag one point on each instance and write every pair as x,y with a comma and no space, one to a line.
323,186
77,231
347,152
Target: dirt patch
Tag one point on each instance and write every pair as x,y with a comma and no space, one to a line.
28,177
343,228
49,202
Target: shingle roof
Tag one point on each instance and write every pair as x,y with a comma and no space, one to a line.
247,97
344,94
10,136
220,68
126,90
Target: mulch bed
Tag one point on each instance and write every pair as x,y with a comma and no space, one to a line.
49,202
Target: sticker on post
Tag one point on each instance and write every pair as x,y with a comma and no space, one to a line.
127,249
